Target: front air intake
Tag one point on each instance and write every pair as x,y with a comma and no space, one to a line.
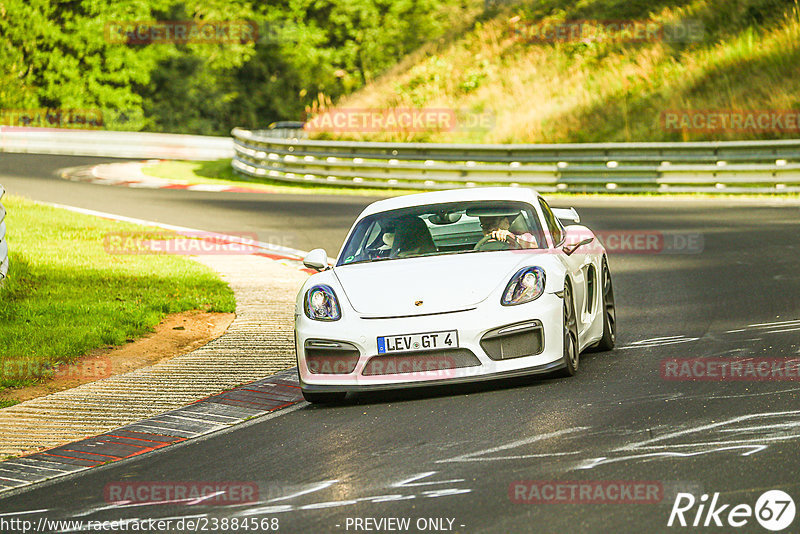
330,357
514,341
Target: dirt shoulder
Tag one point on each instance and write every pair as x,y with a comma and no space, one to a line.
177,334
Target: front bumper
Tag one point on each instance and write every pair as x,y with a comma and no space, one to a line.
480,354
528,371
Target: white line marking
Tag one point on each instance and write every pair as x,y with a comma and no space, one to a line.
266,510
408,482
388,498
701,428
445,492
329,504
776,323
743,395
8,464
753,444
793,329
470,457
589,464
761,427
655,339
317,487
747,441
642,344
25,512
269,247
26,482
119,505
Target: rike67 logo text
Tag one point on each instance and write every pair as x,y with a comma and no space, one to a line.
774,510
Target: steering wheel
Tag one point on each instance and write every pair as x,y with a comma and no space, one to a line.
487,242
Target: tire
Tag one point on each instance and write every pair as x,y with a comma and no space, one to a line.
609,338
323,398
571,356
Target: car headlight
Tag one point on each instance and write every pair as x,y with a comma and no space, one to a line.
321,304
525,286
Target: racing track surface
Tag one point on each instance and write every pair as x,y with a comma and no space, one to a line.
453,453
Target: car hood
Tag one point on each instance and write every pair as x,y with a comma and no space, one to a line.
441,283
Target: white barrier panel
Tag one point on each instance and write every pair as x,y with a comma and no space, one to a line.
114,144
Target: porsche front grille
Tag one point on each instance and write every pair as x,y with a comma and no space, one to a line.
418,362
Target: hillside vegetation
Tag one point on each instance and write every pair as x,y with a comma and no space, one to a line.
747,57
76,55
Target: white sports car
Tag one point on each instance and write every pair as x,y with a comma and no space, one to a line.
452,286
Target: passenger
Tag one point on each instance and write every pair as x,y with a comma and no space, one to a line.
499,229
412,238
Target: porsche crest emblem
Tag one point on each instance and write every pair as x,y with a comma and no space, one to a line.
418,303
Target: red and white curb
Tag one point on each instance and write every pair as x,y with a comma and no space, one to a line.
199,418
130,174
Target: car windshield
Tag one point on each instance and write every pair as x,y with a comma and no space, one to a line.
438,229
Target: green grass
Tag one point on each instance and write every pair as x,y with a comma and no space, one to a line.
66,295
221,172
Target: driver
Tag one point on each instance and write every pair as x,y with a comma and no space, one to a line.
498,229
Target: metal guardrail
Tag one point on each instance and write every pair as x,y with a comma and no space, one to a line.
722,167
114,144
3,243
285,130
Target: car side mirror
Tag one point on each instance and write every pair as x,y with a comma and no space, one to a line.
317,259
569,249
567,215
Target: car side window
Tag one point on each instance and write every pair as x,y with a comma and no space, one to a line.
552,223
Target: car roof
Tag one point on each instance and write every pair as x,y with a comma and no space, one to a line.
518,194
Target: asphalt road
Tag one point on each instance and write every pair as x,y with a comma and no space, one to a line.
450,457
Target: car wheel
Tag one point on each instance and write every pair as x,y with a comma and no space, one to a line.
571,356
323,398
609,313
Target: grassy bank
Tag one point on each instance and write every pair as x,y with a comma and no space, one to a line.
66,295
744,56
